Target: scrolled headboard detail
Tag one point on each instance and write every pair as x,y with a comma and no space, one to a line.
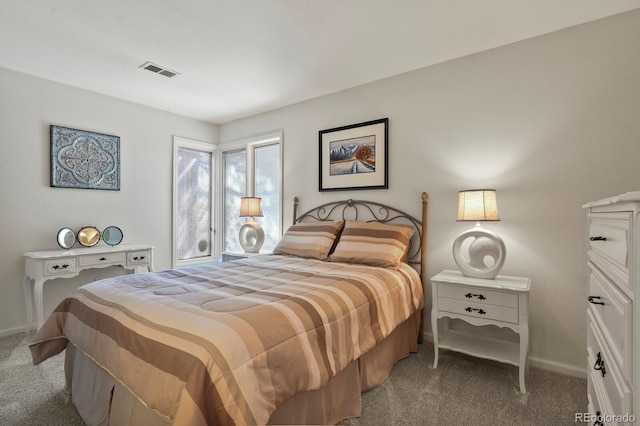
371,211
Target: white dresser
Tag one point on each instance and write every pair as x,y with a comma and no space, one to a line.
613,319
41,266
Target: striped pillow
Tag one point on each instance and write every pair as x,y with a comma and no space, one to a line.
309,239
372,243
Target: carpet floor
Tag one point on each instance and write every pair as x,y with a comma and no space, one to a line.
462,391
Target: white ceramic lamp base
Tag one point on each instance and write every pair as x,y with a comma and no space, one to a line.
485,244
251,237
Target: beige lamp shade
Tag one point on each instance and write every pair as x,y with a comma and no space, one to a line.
477,205
250,207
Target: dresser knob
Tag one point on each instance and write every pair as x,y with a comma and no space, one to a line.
598,239
591,300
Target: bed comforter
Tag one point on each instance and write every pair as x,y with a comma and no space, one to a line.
227,343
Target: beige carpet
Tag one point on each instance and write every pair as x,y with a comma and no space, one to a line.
462,391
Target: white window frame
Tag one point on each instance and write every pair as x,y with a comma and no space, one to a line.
249,145
180,142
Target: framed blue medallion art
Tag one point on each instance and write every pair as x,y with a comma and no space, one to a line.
83,159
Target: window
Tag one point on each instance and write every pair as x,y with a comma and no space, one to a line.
192,201
253,168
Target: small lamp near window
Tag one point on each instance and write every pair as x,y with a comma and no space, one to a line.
251,233
486,252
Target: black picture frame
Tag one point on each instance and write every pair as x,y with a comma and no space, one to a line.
354,157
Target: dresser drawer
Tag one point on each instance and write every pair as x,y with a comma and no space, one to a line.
101,259
59,266
605,373
609,245
478,310
613,312
138,258
478,295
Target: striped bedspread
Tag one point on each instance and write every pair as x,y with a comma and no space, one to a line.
227,343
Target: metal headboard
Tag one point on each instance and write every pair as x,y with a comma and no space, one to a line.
371,211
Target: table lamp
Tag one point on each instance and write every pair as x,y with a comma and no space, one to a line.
479,205
251,233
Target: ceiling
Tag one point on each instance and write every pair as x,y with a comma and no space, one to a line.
241,57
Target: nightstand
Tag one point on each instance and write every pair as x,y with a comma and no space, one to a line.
228,256
503,302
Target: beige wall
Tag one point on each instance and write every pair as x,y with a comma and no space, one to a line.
552,122
31,213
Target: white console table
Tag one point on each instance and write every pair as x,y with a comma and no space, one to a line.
41,266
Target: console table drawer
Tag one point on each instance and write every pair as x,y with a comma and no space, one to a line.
59,266
139,257
101,259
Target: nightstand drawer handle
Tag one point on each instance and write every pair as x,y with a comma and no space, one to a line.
103,259
590,299
479,296
599,365
598,239
480,311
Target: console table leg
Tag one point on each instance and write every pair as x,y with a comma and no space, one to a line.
37,287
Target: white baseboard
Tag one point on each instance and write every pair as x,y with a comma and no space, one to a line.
557,367
545,364
11,331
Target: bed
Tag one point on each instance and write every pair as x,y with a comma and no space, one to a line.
291,337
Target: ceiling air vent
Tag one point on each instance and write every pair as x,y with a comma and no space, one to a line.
158,69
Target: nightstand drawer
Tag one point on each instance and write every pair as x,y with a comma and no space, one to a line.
613,312
101,259
478,295
478,310
59,266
